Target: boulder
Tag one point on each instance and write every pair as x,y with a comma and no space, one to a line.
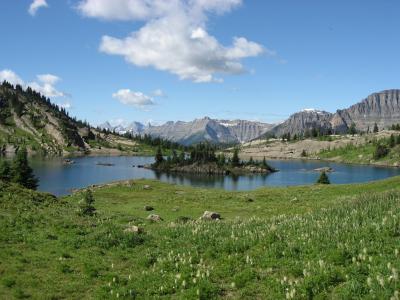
146,187
209,215
148,208
154,218
134,229
324,169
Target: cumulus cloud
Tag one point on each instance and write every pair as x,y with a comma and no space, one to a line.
11,77
65,105
45,83
36,5
128,97
174,37
159,93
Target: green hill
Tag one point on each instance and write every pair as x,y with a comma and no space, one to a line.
30,119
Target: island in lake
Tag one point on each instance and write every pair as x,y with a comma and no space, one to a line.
204,160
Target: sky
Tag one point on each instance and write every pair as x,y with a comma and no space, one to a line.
156,61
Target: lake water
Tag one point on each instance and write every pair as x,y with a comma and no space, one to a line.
60,179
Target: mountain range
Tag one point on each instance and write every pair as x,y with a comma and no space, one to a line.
199,130
382,108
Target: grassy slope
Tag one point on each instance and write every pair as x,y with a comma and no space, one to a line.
336,241
363,154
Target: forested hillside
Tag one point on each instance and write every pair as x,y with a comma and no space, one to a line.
29,119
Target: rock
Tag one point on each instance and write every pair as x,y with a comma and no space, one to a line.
209,215
147,187
154,218
148,208
134,229
324,169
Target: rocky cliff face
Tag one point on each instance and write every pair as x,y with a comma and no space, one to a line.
300,122
382,108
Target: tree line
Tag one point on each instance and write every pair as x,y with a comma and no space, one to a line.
19,171
204,153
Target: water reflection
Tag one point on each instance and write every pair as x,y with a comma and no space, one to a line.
60,179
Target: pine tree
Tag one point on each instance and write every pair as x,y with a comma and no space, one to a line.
398,140
392,141
87,204
5,171
235,158
352,129
251,161
21,172
323,179
376,129
159,157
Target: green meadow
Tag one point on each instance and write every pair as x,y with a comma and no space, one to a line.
310,242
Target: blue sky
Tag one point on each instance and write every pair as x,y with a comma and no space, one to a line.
258,60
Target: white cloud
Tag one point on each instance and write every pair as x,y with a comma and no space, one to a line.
36,5
159,93
128,97
46,86
65,105
45,83
11,77
174,37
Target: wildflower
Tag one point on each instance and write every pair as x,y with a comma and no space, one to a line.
395,274
369,281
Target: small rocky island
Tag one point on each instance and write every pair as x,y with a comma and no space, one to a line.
203,160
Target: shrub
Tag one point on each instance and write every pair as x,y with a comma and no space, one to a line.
86,204
323,179
380,151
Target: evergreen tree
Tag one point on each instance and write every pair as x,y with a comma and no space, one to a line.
392,141
376,128
5,171
175,158
398,140
251,161
87,204
235,158
352,129
159,156
264,163
21,172
323,179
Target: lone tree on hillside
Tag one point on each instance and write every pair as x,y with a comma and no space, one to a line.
376,128
21,172
235,158
86,204
323,179
352,129
159,156
5,171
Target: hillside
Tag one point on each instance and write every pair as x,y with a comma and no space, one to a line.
30,119
273,243
357,149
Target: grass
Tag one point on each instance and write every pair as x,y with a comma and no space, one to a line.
362,154
338,241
